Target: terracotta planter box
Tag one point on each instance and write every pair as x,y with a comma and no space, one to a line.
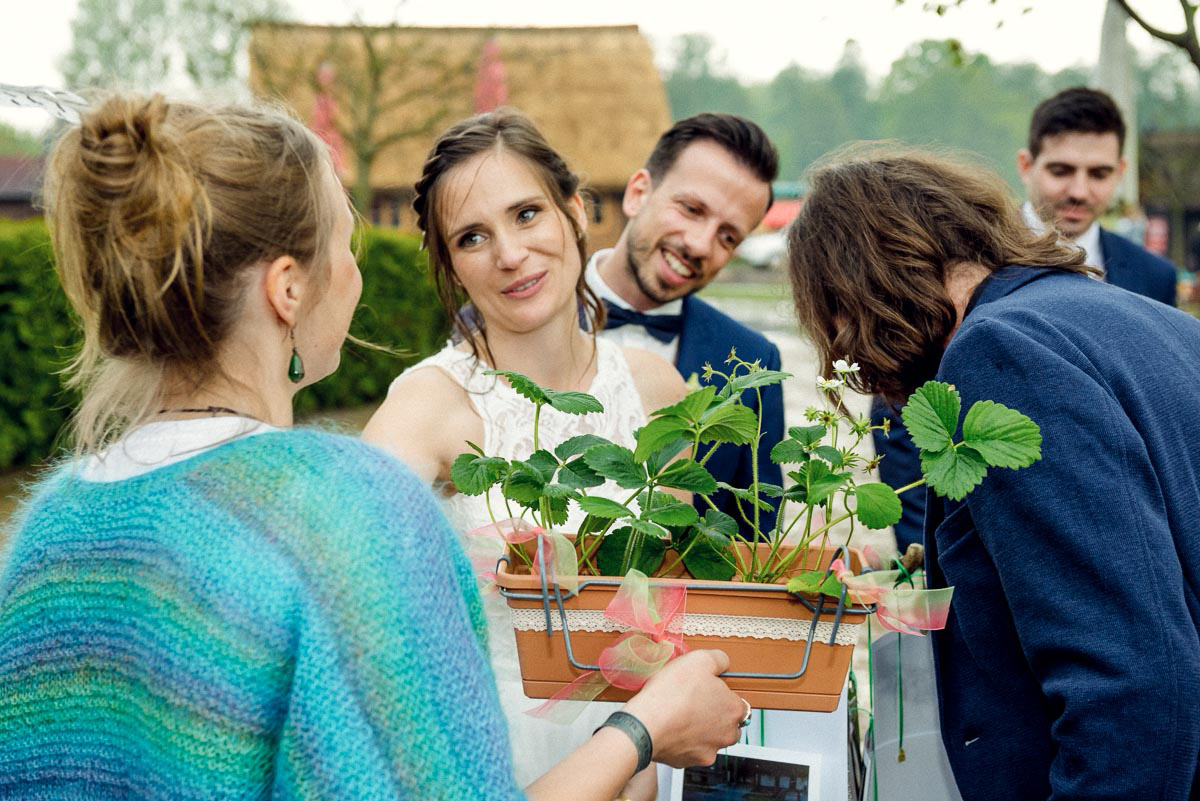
763,628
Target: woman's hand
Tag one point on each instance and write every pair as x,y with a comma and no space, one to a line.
690,713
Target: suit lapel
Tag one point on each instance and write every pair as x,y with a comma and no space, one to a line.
1116,266
695,340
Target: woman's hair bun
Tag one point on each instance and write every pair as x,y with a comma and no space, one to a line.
157,210
115,136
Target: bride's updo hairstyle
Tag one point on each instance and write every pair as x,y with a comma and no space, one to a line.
514,132
156,211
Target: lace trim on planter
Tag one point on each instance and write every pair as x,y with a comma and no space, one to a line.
759,628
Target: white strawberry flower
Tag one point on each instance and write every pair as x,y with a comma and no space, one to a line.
842,367
830,384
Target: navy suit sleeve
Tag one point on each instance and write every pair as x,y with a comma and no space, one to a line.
1089,571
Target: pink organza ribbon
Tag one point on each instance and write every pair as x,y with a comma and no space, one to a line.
653,615
486,544
907,609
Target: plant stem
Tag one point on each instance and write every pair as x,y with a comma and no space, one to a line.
537,416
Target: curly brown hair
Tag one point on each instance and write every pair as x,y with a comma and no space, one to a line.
880,231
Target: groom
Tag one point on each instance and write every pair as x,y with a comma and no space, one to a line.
705,187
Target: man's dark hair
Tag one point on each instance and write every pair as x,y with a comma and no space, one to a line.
744,140
1075,110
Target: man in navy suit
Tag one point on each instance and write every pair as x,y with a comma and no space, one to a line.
1071,169
705,187
1069,667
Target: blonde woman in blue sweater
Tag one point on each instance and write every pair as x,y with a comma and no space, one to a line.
206,604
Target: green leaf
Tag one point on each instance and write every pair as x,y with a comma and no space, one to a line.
590,525
603,507
577,474
687,475
611,553
524,484
797,493
557,509
878,505
746,496
931,416
523,386
730,422
813,582
616,462
717,527
769,490
650,529
819,481
660,499
756,378
573,402
1003,437
473,475
829,454
675,514
807,435
659,433
577,445
953,472
560,491
659,460
789,451
691,407
707,558
544,462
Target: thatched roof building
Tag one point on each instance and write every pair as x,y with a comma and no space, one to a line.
594,92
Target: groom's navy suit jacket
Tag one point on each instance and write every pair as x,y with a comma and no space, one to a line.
1069,667
1132,267
707,337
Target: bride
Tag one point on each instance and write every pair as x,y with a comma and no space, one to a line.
504,225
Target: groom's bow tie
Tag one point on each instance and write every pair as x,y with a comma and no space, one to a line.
663,327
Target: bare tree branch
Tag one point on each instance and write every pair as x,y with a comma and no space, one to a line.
1185,40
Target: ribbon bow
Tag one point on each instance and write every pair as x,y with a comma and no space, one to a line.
663,327
486,544
911,609
654,616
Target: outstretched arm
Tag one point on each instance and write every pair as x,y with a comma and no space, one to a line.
690,715
425,422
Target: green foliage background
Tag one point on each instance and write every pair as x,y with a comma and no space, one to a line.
936,94
399,309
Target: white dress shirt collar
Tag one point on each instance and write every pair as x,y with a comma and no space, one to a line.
631,336
1088,241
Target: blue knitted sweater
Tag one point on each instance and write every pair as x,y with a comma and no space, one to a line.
285,616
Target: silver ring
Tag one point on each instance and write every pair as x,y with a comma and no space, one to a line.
749,711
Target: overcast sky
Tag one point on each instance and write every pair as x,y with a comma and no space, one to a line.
765,37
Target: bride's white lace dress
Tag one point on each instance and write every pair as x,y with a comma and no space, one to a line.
508,432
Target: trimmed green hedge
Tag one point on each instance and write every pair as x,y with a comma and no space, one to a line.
399,309
36,330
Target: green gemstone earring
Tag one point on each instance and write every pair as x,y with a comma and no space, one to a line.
296,365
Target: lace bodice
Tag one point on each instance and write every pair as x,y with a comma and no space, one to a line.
508,421
508,432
